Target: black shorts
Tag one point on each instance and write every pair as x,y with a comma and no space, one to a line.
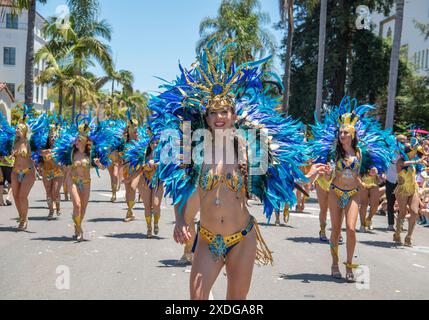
7,172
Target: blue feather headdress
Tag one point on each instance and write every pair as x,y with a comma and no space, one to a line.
377,146
214,82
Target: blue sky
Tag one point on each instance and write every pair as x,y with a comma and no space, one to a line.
151,36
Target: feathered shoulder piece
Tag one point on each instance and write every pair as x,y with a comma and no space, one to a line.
271,140
377,146
83,128
7,137
135,151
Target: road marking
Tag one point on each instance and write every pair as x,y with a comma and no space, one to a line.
419,249
418,266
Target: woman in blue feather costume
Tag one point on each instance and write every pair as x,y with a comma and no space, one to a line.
136,138
81,146
355,145
142,157
222,139
22,144
117,128
52,173
412,160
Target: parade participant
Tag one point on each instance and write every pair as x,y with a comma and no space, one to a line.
356,145
302,198
391,184
141,158
6,165
369,194
51,172
133,134
117,128
80,147
214,99
323,186
19,144
407,192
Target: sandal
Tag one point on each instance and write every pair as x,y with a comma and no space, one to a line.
408,242
335,272
350,277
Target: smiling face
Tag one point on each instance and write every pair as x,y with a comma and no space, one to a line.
80,145
21,131
345,137
223,118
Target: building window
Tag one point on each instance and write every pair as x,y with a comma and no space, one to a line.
11,21
11,87
9,56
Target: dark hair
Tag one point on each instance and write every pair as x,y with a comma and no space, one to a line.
341,154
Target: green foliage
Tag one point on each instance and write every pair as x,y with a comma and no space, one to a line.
242,22
357,61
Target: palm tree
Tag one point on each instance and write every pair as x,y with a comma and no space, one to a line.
123,77
286,16
238,20
29,5
394,64
321,62
78,49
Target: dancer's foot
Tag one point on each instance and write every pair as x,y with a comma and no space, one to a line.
156,229
130,216
408,242
186,259
335,272
149,232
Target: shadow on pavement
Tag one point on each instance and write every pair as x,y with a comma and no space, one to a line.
380,244
309,277
307,240
8,229
106,220
173,264
264,224
133,236
38,218
38,208
56,239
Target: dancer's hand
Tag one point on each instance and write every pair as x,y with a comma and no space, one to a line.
317,169
182,233
98,163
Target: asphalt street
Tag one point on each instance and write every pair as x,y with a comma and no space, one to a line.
118,262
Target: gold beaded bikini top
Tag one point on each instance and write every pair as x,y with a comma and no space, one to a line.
84,163
210,181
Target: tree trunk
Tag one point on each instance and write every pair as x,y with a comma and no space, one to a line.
321,63
111,105
29,56
343,43
394,64
60,100
288,59
74,105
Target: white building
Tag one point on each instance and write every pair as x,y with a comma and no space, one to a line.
13,44
6,100
412,39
